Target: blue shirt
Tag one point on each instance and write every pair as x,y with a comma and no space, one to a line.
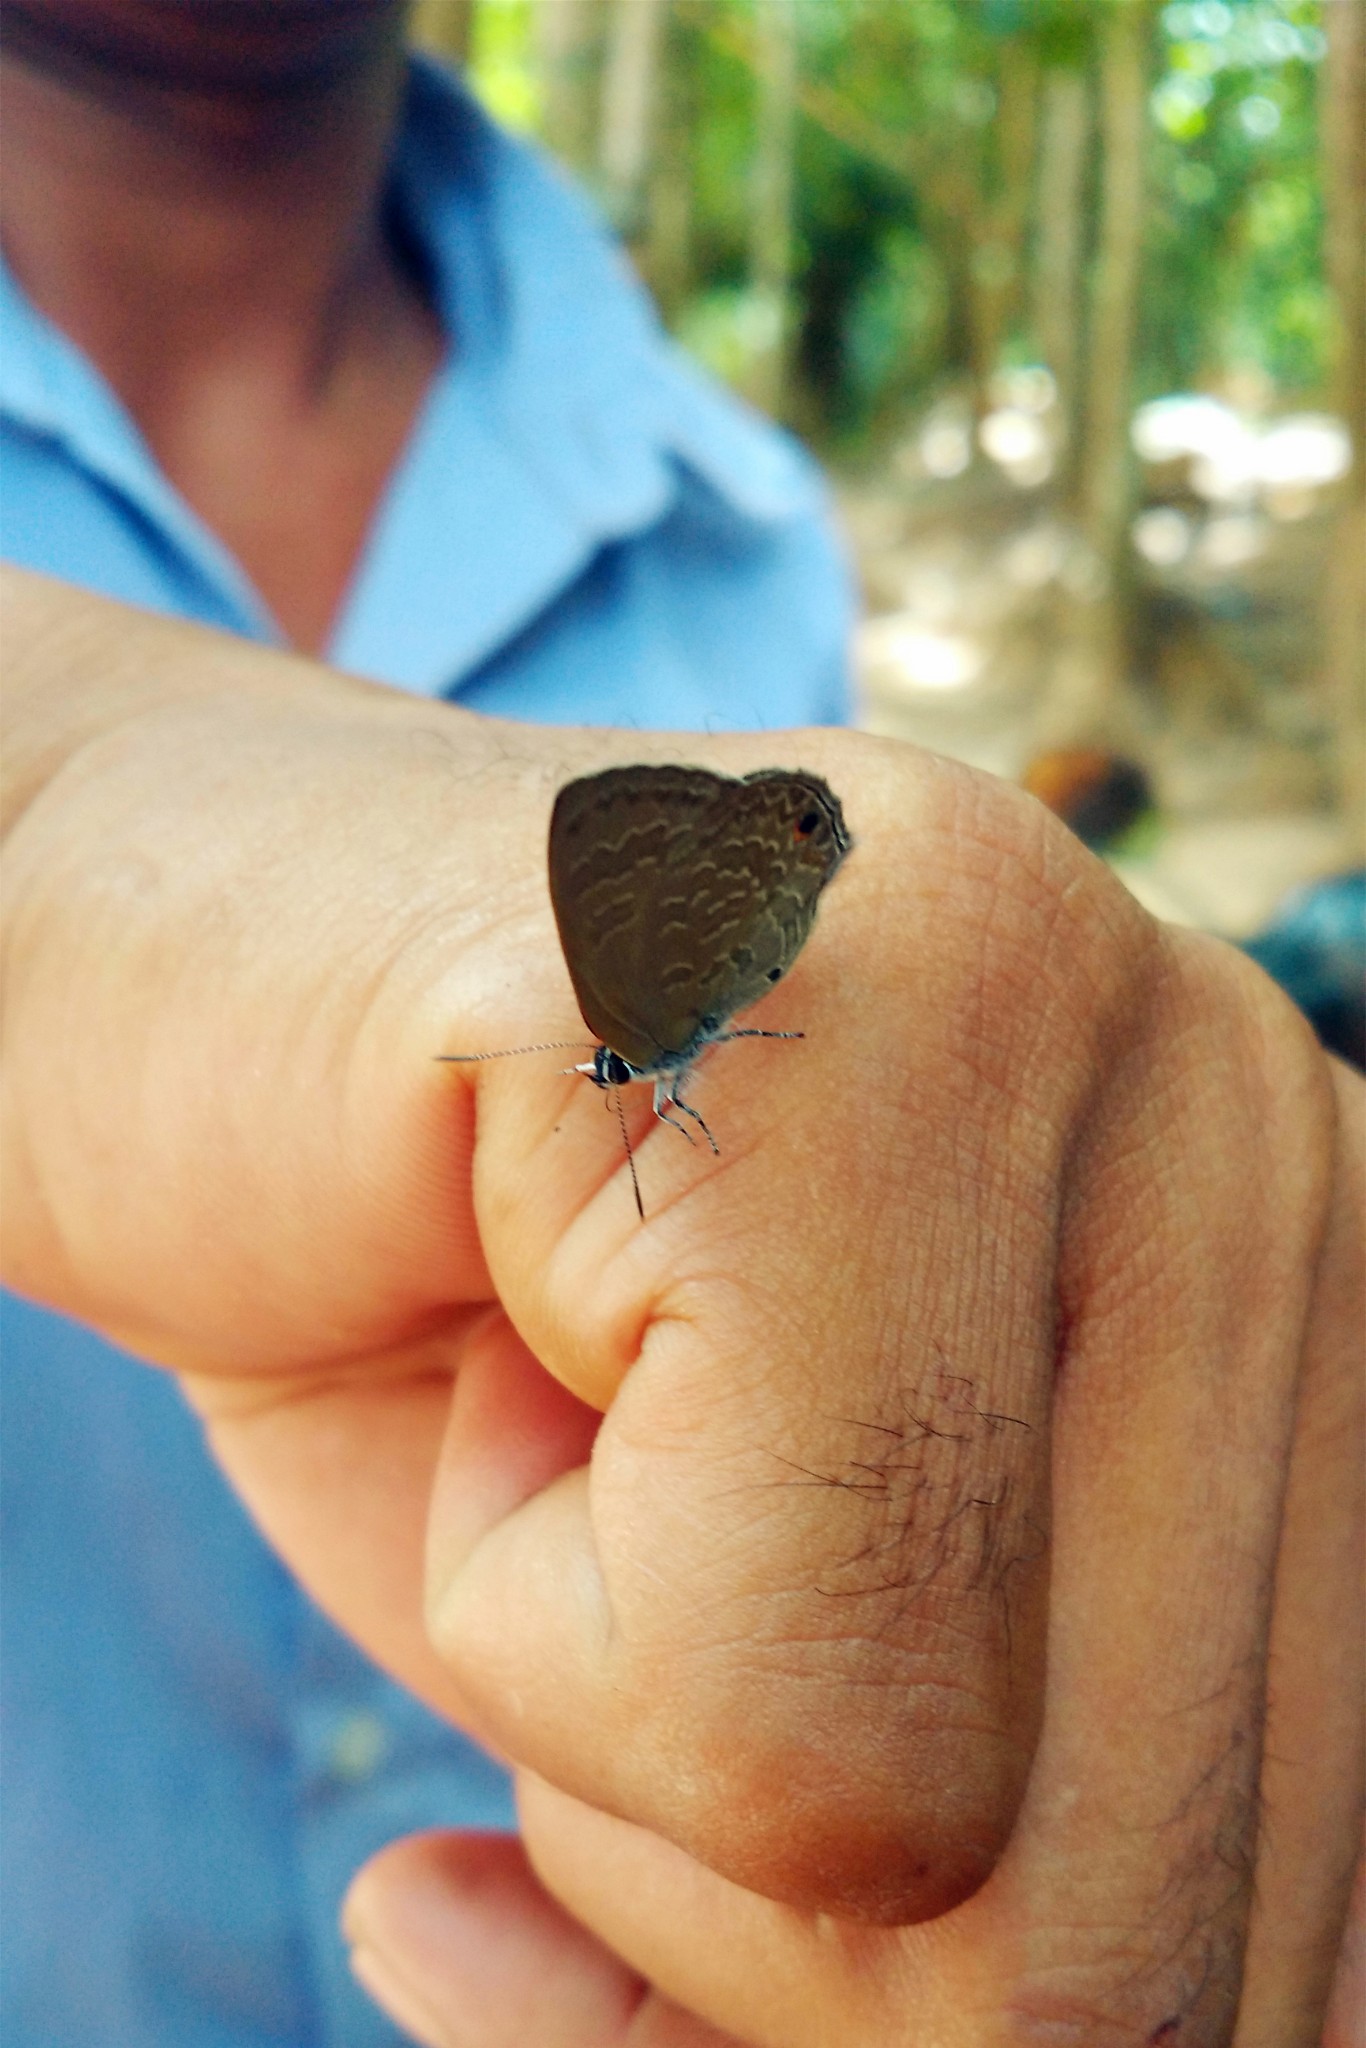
580,529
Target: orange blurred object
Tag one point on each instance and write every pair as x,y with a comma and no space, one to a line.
1099,795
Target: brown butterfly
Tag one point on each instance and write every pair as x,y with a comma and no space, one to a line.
681,897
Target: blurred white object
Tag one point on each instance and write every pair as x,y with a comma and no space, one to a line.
1280,40
945,446
1211,18
1232,459
902,650
1260,116
1034,557
1162,536
1188,423
1303,450
1028,387
1181,100
1018,443
1230,541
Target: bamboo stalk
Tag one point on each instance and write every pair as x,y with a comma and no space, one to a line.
1344,163
446,26
567,33
770,241
1059,239
1088,700
628,93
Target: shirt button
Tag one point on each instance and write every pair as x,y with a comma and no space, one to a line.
357,1748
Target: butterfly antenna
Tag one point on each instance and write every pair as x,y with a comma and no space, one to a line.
630,1155
514,1052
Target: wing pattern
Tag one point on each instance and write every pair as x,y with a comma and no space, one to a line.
682,896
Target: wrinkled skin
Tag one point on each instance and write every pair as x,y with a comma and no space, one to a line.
914,1571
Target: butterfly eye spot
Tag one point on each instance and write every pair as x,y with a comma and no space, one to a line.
807,824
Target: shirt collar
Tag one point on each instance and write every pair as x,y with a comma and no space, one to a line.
562,420
549,316
53,392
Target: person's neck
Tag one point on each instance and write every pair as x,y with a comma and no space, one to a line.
159,227
200,208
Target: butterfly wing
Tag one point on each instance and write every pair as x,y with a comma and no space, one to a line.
681,896
750,896
615,840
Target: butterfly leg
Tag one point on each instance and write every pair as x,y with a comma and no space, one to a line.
667,1098
663,1102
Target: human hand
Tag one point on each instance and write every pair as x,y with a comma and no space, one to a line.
1027,1131
1139,1898
471,1942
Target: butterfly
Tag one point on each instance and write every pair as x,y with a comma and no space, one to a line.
681,897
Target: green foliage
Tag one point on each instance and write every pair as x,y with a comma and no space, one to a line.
908,205
1236,270
502,63
871,290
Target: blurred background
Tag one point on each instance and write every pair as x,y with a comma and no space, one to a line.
1067,295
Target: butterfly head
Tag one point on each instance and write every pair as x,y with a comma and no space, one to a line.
607,1069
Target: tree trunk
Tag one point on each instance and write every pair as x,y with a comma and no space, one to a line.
666,253
567,50
1105,481
998,256
770,241
1058,316
628,93
1344,152
445,26
1089,699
